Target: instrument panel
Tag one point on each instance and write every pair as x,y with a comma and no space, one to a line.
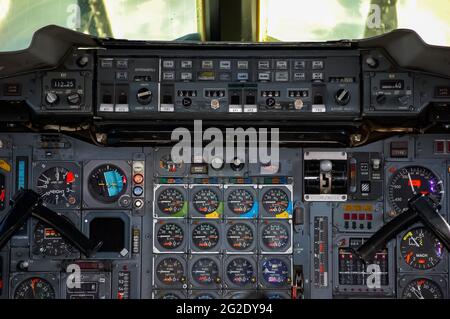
201,237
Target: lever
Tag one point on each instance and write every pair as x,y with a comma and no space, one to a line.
421,208
27,203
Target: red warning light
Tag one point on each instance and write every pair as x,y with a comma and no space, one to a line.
70,178
415,183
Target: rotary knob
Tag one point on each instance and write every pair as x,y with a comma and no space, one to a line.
372,62
74,99
144,96
51,98
343,97
83,61
217,163
237,165
270,102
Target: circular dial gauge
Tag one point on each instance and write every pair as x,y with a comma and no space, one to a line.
408,181
275,236
170,236
206,201
421,249
167,164
49,242
170,201
240,272
240,201
422,289
205,271
240,236
57,186
170,271
275,201
275,271
205,236
34,288
107,183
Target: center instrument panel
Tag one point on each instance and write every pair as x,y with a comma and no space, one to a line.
221,230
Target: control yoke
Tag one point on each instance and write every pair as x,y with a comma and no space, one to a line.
27,203
421,209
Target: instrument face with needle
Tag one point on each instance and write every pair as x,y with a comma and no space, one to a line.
410,181
34,288
422,289
107,183
420,249
58,186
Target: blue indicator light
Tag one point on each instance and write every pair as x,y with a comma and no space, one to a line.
21,173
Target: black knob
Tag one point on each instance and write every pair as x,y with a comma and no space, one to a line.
23,265
74,99
237,165
187,102
144,96
270,102
343,97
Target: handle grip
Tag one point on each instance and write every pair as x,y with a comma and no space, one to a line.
26,203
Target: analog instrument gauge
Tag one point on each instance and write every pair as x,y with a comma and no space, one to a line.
170,201
240,236
107,183
240,201
170,271
57,186
206,201
422,289
420,249
49,242
408,181
170,236
275,201
205,236
275,272
168,165
34,288
205,271
275,236
240,272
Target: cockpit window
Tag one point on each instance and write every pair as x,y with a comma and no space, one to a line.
323,20
121,19
279,20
